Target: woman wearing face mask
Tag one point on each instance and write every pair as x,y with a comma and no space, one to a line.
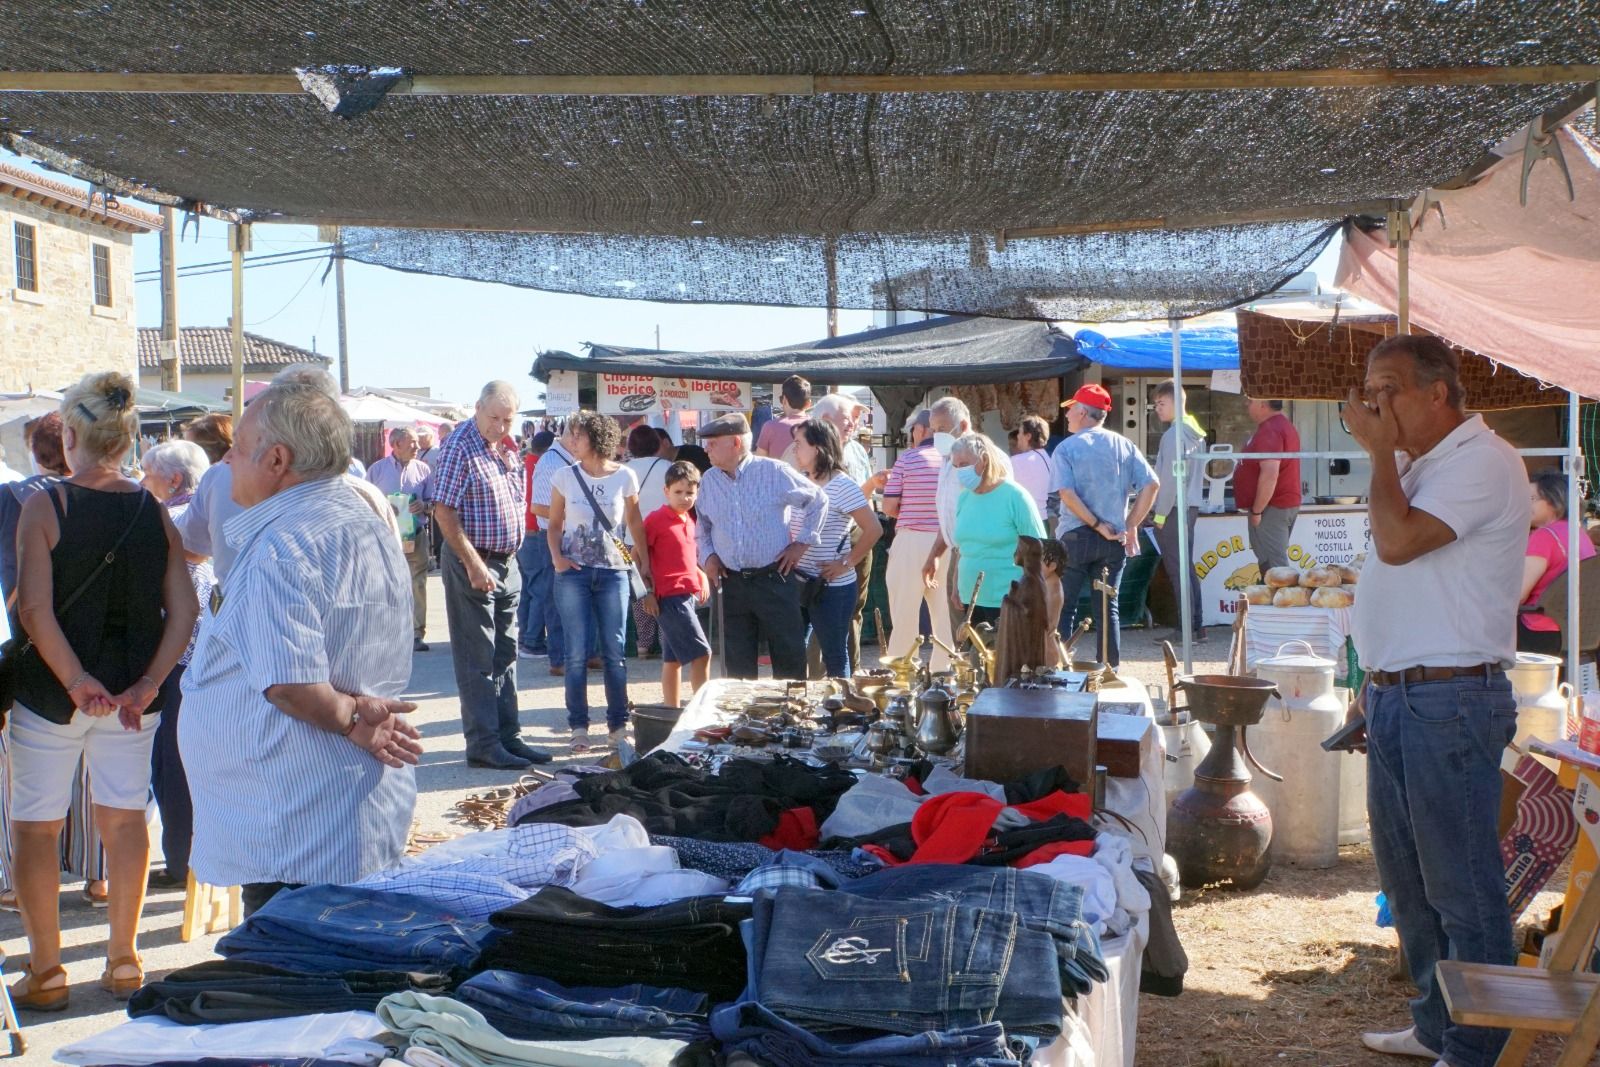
991,513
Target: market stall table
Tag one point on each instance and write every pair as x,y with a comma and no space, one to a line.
1221,556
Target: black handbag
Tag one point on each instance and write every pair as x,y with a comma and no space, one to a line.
19,644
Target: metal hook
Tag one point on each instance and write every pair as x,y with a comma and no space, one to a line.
1543,145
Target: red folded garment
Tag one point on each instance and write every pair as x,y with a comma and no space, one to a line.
797,829
1046,853
953,827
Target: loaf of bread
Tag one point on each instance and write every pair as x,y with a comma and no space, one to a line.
1258,594
1292,597
1331,598
1321,577
1351,575
1282,577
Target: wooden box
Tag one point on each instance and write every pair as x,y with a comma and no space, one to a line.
1123,742
1012,733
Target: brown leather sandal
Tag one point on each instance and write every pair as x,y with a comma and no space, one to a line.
122,988
29,991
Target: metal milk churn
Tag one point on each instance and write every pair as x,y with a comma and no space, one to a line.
1542,700
1305,805
1186,744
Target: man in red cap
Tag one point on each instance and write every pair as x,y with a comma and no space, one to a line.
1095,472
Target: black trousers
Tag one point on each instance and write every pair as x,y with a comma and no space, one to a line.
254,894
763,606
169,783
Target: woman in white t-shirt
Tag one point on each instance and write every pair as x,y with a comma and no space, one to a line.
1030,463
829,567
647,463
592,503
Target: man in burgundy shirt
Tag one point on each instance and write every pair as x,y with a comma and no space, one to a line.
1268,490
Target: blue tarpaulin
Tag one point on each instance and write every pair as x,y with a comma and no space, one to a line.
1206,349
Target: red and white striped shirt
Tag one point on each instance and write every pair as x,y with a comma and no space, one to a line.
915,481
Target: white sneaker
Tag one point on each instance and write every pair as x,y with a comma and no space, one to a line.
580,739
1400,1043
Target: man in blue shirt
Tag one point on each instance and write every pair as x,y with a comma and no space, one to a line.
1095,472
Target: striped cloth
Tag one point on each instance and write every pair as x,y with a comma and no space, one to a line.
844,497
319,592
746,523
914,479
484,487
82,854
1267,629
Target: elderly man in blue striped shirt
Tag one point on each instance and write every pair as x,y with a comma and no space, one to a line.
298,758
747,507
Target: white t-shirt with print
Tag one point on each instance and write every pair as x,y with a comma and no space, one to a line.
583,539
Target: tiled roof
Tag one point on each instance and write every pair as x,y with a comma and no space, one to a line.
210,348
59,196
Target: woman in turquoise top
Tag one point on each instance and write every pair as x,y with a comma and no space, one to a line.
991,513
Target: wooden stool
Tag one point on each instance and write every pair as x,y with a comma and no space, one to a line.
202,907
1530,1001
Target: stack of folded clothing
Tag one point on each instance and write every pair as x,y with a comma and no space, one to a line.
235,991
691,944
530,1008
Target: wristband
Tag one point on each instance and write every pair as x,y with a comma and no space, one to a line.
83,676
355,720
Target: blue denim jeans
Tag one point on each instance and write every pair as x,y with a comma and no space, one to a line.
829,618
324,928
1433,795
604,593
1087,552
534,630
825,958
1042,903
750,1028
529,1008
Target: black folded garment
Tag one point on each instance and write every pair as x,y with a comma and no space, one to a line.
741,802
235,991
688,944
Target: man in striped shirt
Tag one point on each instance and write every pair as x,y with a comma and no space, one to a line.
478,504
747,507
296,755
910,498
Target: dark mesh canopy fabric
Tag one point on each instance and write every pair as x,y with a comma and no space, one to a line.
710,197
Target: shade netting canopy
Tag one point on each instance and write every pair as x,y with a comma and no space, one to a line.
877,154
941,351
1206,349
1515,283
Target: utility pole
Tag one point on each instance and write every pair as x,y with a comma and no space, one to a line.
171,352
238,245
344,339
658,337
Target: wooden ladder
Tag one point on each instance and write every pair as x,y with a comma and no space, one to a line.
1565,999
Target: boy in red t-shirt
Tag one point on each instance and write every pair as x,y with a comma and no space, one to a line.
669,534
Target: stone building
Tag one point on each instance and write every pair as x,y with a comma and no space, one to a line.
205,354
66,282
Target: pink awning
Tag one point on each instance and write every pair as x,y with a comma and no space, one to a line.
1520,285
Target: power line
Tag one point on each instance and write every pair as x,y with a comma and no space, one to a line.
291,300
248,265
193,268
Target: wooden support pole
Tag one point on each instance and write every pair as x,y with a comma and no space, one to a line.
344,336
830,255
238,244
171,347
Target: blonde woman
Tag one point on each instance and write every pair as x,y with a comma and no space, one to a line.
991,513
105,597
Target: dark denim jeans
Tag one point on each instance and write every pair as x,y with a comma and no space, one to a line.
1041,902
1087,552
538,622
232,991
483,651
830,959
752,1029
323,928
1433,795
604,594
829,618
536,1009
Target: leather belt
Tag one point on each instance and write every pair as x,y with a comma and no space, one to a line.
492,557
1413,675
756,572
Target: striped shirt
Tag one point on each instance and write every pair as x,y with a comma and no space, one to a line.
745,522
914,480
844,497
544,474
319,592
484,487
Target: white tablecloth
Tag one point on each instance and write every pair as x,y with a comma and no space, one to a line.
1267,629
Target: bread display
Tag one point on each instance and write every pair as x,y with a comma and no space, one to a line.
1321,577
1282,577
1351,575
1291,597
1258,595
1331,597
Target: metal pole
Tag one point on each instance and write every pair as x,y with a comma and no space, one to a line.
171,354
1181,513
338,288
238,241
1403,272
1574,524
830,252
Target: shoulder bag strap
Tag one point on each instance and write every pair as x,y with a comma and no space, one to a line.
583,483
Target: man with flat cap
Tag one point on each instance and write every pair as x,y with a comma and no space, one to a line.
757,518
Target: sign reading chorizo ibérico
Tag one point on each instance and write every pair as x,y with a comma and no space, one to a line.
642,394
628,394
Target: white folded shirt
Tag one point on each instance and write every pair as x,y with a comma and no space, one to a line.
346,1037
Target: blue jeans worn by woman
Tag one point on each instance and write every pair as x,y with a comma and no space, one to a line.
605,593
829,618
1433,795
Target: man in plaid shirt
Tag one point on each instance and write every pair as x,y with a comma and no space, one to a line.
478,507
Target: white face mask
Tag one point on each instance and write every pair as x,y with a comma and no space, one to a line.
944,442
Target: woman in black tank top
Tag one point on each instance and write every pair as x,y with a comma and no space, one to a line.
105,598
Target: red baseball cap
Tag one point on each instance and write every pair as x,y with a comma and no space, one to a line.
1091,395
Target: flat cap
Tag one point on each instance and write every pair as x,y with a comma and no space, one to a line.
726,426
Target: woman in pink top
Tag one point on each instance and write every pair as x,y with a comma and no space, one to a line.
1546,562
